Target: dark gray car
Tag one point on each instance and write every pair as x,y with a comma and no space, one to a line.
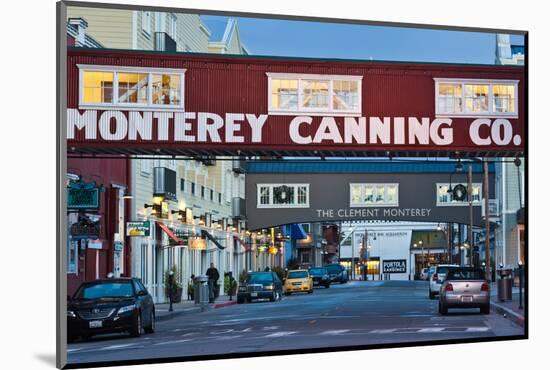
260,285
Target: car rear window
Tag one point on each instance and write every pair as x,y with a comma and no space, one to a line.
297,274
259,277
318,271
106,290
334,268
463,274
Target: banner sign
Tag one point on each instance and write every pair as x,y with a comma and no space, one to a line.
394,266
197,244
83,198
138,228
87,227
149,129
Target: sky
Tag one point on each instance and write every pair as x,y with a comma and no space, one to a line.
346,41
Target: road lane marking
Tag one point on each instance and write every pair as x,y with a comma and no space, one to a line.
271,327
477,329
74,349
430,330
172,342
280,334
117,346
382,331
335,332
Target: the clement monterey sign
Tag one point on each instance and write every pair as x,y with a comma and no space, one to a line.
234,128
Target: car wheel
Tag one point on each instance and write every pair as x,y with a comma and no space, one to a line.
151,328
310,291
327,286
485,310
432,295
136,330
443,310
240,300
273,297
287,293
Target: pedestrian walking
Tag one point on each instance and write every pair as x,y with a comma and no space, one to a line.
213,277
191,288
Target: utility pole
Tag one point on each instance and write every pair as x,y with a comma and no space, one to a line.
471,225
487,224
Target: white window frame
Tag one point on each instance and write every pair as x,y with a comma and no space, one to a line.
473,81
172,29
465,202
373,184
130,106
146,22
300,77
272,205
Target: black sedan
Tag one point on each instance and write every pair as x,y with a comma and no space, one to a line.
320,276
110,306
337,273
260,285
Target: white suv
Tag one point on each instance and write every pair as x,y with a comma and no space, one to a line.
436,279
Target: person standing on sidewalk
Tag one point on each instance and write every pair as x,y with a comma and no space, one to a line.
213,277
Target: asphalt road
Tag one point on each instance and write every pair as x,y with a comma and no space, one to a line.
357,313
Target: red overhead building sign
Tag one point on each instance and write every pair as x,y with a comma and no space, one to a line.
126,102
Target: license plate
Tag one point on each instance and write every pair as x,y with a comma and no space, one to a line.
467,299
315,283
96,324
254,294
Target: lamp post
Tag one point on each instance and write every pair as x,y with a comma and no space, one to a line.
170,286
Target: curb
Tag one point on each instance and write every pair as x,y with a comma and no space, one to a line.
194,310
510,315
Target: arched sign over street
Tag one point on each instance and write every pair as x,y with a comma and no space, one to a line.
183,104
347,191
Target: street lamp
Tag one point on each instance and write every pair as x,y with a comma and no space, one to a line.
170,285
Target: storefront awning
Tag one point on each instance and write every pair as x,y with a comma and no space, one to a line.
206,235
241,242
170,233
297,232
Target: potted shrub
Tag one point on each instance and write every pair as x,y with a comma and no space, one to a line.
177,288
229,285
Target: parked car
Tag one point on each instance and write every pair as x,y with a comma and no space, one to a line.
298,281
464,287
436,278
431,270
337,273
424,274
260,285
110,306
320,276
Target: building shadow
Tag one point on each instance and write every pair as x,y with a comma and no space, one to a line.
47,358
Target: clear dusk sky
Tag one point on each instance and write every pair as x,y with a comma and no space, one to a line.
347,41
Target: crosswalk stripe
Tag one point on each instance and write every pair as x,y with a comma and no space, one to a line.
477,329
430,330
335,332
280,334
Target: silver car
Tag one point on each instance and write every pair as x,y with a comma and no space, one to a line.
464,287
436,278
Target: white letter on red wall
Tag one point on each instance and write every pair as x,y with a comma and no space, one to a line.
87,120
232,126
256,124
121,125
140,125
209,129
446,136
294,130
474,131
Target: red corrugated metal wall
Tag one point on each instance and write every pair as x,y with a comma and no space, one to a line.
222,85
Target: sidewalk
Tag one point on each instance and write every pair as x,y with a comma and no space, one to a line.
189,307
508,308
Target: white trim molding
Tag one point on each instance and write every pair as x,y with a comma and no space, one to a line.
299,109
271,204
490,113
115,70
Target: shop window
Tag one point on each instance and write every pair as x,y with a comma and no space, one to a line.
283,196
470,97
314,94
444,198
374,195
97,87
131,87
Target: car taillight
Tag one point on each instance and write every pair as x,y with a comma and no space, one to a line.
484,287
449,287
434,277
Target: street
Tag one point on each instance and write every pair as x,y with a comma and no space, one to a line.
356,313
